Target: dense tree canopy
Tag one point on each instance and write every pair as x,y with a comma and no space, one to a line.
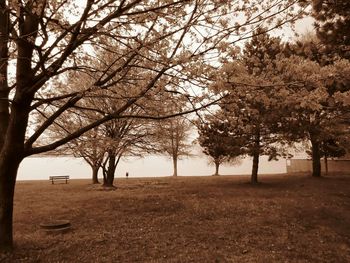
333,23
280,94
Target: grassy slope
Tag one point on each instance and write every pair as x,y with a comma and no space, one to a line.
192,219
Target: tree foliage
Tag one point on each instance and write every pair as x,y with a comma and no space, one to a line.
253,104
217,141
333,24
314,111
281,93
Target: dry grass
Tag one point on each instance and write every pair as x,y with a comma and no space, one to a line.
186,219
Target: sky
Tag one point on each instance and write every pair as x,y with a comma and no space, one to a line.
302,27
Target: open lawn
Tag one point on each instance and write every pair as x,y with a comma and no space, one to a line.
186,219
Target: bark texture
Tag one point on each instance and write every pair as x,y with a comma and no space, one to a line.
175,165
256,155
13,126
8,171
109,172
4,91
217,165
95,174
316,155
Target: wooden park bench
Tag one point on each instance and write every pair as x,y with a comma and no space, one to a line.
59,177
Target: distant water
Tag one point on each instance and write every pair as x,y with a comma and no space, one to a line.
40,168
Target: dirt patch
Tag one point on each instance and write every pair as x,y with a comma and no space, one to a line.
194,219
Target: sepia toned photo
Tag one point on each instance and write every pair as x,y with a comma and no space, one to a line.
175,131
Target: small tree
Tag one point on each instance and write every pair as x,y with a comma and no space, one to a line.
88,148
172,139
217,141
122,138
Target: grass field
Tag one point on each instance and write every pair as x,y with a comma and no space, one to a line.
186,219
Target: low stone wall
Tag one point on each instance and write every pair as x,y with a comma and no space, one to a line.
304,165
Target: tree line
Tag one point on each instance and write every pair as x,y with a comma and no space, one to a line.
275,95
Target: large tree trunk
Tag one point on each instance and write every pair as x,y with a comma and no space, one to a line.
316,160
8,172
217,165
95,174
316,156
326,163
4,90
256,155
254,177
14,126
11,154
108,179
175,165
8,168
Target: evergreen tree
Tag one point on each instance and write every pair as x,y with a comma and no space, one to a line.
252,103
218,142
333,24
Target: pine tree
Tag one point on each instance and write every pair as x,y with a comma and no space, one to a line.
333,24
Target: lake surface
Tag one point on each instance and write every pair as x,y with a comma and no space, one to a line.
40,168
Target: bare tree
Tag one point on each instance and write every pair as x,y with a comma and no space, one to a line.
105,145
173,139
122,138
87,147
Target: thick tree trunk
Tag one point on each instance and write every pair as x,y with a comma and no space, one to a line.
109,178
4,90
316,161
8,171
316,156
326,163
175,165
256,155
14,123
217,165
254,177
95,174
11,155
8,168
